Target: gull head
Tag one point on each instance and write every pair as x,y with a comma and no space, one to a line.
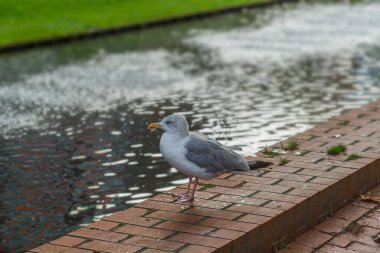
173,124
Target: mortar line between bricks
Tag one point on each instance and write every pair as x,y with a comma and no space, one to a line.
309,180
277,182
331,168
141,250
287,191
296,172
319,160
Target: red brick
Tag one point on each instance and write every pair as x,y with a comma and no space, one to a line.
163,198
124,218
342,170
240,199
200,240
69,241
184,227
254,210
365,204
344,164
181,217
154,251
198,194
302,192
351,212
227,234
295,248
279,205
227,224
223,214
286,169
163,206
254,179
198,249
109,247
363,248
369,222
279,197
369,231
210,203
302,185
233,191
313,238
319,173
359,237
294,177
132,212
103,225
257,219
298,158
224,176
339,241
153,243
99,234
311,166
222,182
56,248
334,249
333,225
265,187
144,231
322,180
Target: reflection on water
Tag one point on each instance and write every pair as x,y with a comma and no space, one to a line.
74,144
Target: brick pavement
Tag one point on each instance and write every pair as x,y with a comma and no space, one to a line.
247,212
354,228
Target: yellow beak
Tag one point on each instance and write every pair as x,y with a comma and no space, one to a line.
154,125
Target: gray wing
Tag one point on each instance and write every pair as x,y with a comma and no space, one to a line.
213,156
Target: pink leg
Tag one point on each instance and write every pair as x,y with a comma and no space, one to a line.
190,197
186,193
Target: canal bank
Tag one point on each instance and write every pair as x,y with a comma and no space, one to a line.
245,212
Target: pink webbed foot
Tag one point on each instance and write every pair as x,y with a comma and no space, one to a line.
186,198
180,195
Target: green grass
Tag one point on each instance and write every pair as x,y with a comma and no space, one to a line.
336,149
269,152
283,161
353,156
290,145
31,20
205,186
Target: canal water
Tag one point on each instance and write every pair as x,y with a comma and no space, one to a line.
74,144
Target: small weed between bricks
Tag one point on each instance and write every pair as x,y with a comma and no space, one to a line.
290,145
283,161
353,156
353,228
336,149
205,186
270,152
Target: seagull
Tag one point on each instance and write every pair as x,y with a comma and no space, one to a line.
196,155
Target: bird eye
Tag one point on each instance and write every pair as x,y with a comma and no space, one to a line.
168,122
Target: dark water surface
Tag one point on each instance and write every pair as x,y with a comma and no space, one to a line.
74,144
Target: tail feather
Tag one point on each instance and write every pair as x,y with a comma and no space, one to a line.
254,165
